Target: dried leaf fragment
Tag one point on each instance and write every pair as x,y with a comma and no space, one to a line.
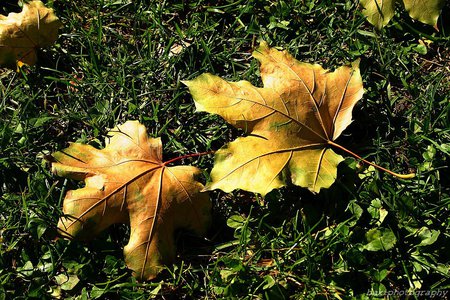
290,122
22,33
127,182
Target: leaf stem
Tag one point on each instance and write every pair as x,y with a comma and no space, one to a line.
187,156
402,176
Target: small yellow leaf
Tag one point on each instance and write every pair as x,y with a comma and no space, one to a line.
425,11
380,12
22,33
127,182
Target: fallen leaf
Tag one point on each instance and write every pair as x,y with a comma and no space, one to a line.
127,182
290,122
22,33
380,12
425,11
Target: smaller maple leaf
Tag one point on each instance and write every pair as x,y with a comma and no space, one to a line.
22,33
127,182
380,12
425,11
291,122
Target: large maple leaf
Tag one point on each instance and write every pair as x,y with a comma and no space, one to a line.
127,182
22,33
290,122
380,12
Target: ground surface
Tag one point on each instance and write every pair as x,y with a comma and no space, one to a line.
121,60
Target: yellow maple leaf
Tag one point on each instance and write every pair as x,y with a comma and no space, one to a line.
127,182
22,33
290,122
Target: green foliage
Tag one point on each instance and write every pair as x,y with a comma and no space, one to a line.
116,60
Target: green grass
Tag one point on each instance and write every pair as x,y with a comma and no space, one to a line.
113,62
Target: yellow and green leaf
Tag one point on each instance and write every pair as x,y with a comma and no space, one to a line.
290,122
380,12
